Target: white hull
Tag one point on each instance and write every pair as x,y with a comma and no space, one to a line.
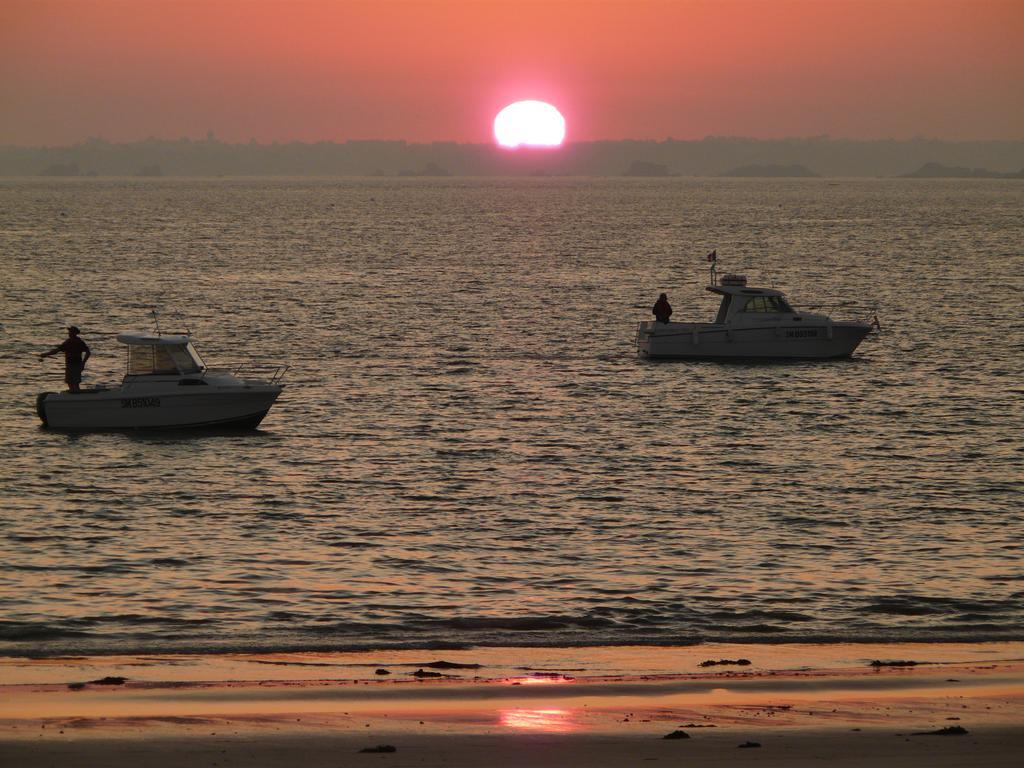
243,406
793,340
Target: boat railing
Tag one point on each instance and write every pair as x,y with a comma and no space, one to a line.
251,369
865,313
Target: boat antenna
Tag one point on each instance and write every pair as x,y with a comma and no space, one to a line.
156,320
184,321
713,259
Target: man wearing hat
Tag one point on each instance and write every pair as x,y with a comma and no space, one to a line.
76,352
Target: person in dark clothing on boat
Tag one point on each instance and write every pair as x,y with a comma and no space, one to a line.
76,352
662,309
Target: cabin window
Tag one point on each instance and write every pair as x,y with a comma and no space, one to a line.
145,359
140,360
766,304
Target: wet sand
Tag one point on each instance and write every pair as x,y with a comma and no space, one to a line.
514,706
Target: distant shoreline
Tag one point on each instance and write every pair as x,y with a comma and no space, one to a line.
711,156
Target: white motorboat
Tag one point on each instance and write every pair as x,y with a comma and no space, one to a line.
752,323
167,385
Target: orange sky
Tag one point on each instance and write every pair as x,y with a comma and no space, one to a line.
427,70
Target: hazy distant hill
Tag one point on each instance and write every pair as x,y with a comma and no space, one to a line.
431,169
939,171
772,171
60,169
645,168
712,156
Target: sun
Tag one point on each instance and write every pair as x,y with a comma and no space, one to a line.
529,124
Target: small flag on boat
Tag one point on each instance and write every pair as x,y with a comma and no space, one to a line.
713,256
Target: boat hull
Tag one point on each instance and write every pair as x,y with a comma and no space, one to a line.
823,341
237,408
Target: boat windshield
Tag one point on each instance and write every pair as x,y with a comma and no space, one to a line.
197,361
723,309
162,359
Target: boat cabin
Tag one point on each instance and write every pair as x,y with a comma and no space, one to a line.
161,355
740,302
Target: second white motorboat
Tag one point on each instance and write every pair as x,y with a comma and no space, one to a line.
167,386
752,323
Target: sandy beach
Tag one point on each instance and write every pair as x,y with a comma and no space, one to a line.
800,704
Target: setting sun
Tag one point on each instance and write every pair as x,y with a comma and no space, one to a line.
529,124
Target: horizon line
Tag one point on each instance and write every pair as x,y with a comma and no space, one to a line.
211,138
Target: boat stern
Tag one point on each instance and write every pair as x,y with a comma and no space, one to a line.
643,338
41,407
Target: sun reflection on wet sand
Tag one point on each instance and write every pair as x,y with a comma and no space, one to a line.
541,679
546,720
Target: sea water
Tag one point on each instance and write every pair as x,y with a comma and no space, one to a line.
468,450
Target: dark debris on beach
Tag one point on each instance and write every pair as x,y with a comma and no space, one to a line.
101,681
423,673
952,730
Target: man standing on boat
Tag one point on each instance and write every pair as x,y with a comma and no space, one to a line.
76,352
662,309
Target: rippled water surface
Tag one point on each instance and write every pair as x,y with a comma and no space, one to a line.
468,450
